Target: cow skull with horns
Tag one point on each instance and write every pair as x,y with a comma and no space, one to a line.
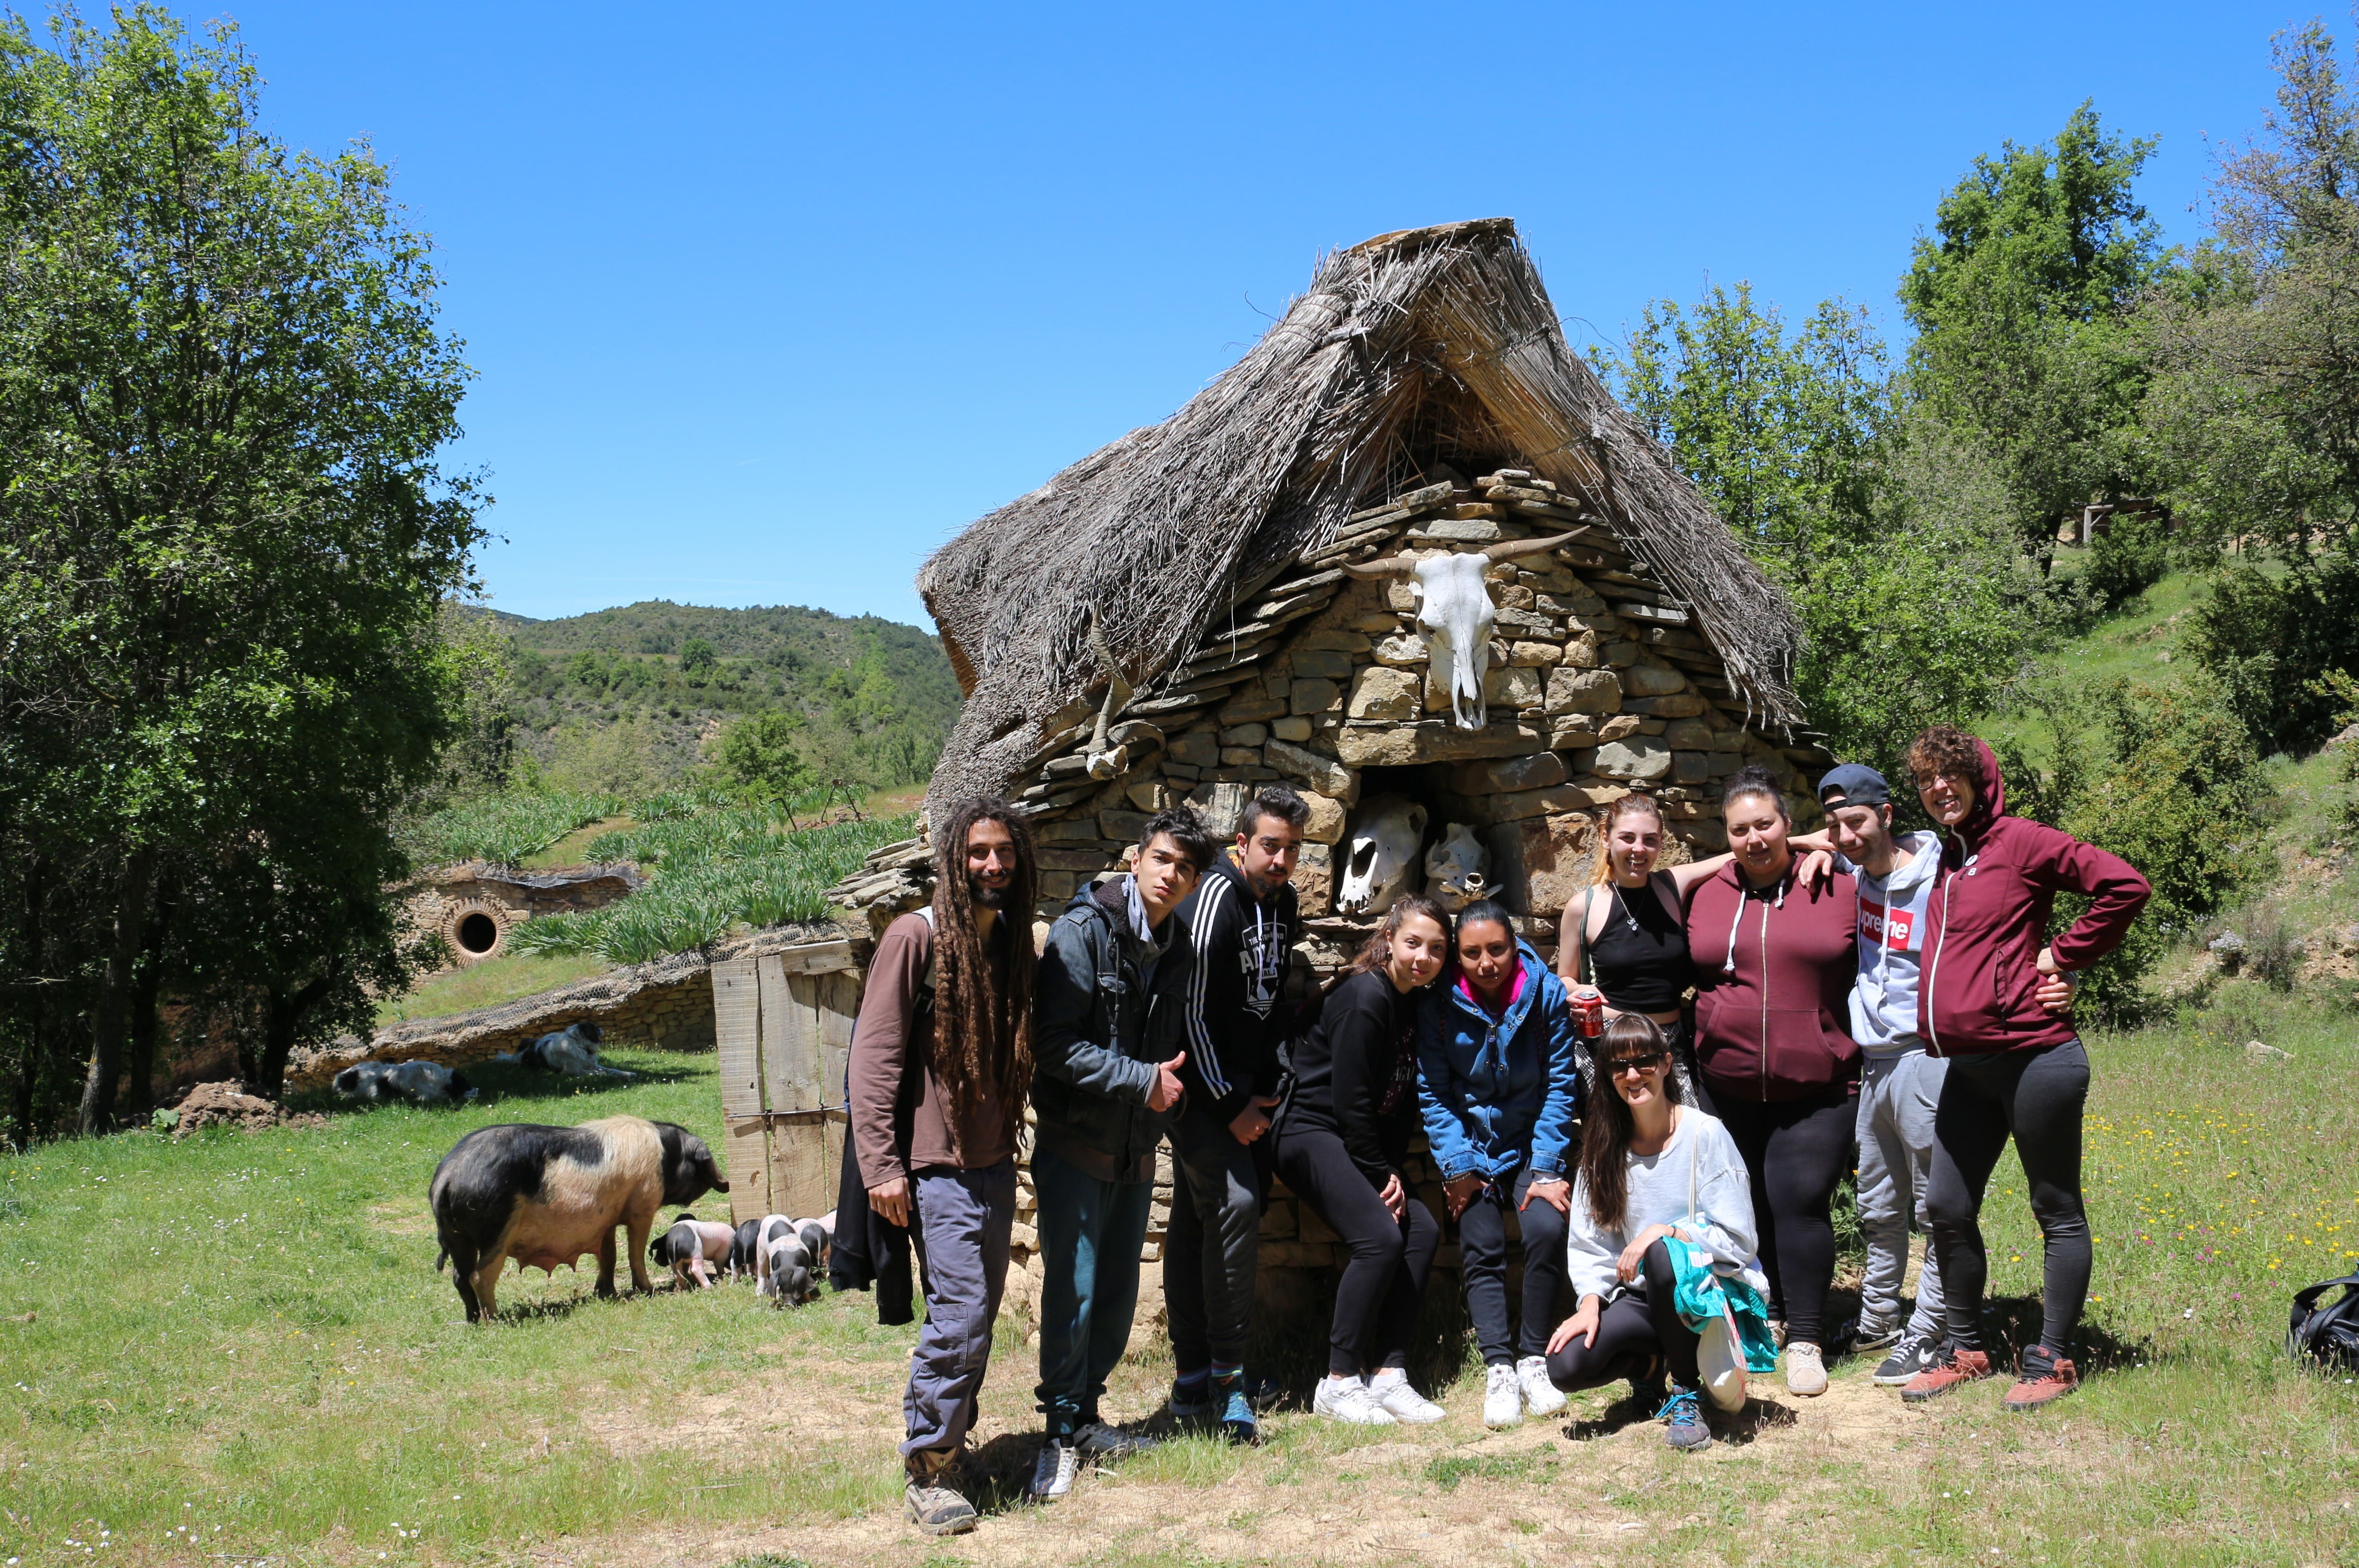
1455,612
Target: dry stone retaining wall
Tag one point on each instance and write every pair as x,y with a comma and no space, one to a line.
665,1005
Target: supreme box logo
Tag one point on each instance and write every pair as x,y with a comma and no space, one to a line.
1892,928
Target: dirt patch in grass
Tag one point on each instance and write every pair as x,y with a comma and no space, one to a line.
1314,1493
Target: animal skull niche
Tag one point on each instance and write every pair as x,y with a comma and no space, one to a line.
1455,612
1381,862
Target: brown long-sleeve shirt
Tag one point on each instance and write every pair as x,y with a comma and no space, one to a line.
901,1119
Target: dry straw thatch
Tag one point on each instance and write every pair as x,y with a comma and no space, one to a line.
1429,345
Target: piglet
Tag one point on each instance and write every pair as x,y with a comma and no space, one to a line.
694,1248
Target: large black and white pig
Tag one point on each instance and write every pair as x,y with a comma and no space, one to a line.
546,1195
570,1053
420,1083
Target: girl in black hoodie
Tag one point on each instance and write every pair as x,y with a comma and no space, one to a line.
1342,1140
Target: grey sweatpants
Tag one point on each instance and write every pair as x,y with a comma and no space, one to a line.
1897,1097
1212,1245
960,1229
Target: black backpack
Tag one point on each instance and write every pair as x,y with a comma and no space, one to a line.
2329,1334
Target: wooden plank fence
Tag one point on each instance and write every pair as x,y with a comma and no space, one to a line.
784,1027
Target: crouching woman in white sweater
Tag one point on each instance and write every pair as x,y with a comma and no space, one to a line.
1652,1168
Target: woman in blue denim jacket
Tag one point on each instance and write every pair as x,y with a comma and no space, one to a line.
1499,1091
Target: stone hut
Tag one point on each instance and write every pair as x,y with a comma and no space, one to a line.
474,904
1409,556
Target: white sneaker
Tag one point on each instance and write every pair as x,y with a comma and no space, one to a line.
1349,1401
1503,1398
1391,1390
1806,1369
1540,1396
1053,1471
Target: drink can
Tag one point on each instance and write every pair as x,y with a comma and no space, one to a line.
1588,1011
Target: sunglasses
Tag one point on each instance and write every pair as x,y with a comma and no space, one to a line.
1636,1065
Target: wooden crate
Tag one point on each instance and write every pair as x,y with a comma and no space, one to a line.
784,1025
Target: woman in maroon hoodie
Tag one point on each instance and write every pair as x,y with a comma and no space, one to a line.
2017,1065
1775,956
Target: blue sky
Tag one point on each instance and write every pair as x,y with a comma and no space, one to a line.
767,302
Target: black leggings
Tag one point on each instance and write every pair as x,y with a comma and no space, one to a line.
2036,1096
1796,1151
1483,1250
1632,1331
1382,1286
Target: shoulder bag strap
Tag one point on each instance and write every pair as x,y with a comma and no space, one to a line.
1694,1154
1588,963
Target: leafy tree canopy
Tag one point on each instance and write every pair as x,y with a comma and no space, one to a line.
1886,530
228,537
2017,298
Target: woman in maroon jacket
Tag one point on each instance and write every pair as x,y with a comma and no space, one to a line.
2017,1066
1775,956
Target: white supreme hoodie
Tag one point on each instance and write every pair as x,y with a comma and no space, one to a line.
1891,946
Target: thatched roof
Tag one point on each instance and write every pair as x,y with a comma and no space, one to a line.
1426,347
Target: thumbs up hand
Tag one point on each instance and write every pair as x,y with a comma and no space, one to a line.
1166,1092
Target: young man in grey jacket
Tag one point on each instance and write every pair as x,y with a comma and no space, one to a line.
1898,1085
1109,1046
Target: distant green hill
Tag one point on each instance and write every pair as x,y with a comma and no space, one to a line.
626,699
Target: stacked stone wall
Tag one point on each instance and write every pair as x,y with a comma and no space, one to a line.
1597,684
665,1005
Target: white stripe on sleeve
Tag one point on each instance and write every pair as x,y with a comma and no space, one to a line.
1200,1035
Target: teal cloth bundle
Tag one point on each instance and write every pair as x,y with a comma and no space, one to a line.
1703,1295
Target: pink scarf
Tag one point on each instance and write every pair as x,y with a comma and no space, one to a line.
1514,992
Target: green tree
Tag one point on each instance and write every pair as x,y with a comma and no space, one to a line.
696,658
2253,412
2020,299
757,755
1777,431
228,539
1885,528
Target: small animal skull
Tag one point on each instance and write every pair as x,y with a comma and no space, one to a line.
1453,869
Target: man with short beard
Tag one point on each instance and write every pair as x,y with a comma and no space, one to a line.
942,1060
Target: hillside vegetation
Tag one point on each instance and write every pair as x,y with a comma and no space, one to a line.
631,700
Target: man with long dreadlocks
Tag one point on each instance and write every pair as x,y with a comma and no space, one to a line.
941,1060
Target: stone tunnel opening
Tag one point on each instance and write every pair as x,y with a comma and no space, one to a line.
478,933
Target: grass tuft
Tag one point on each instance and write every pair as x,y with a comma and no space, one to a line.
712,875
507,829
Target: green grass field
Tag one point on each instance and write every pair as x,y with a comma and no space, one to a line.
488,984
238,1348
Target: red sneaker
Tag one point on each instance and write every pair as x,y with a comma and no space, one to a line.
2041,1377
1955,1367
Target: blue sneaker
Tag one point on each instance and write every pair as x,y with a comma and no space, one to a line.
1190,1397
1238,1422
1683,1418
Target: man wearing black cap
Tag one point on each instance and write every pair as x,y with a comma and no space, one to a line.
1899,1085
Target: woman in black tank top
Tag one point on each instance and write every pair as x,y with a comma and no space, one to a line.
1626,932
